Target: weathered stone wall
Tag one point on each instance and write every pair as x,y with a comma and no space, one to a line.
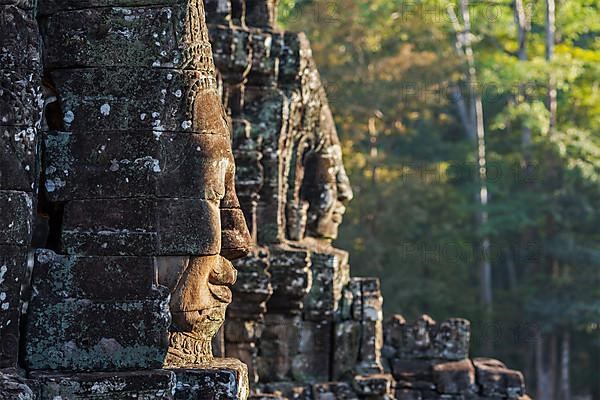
431,360
20,115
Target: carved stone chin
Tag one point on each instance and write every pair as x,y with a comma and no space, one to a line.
200,294
193,346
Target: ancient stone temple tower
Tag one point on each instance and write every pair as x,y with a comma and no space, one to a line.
137,216
154,151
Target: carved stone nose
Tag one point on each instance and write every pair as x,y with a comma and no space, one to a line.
223,273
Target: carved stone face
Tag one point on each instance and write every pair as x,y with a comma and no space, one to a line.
199,284
326,188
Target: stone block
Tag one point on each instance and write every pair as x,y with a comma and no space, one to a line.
423,386
18,158
412,370
54,6
141,227
334,391
354,287
141,164
232,51
253,286
345,307
15,387
266,110
313,361
240,331
238,12
372,301
223,378
330,273
16,214
452,339
495,380
295,58
371,342
246,306
279,345
246,353
346,346
286,391
106,278
20,97
156,99
407,394
392,332
266,397
261,13
291,279
265,61
19,48
147,37
249,171
378,385
13,264
85,335
426,339
218,11
455,377
22,4
147,385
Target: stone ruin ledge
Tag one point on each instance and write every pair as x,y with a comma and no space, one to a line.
430,360
224,378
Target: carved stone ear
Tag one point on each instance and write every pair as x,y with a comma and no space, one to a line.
208,114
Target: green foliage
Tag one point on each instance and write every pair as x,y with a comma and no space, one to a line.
412,219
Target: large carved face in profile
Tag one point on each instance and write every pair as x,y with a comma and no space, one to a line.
200,283
325,187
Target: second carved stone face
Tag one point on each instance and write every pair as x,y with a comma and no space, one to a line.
326,188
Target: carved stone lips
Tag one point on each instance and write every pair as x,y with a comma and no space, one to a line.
337,217
220,292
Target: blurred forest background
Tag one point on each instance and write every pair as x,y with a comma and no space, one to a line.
471,134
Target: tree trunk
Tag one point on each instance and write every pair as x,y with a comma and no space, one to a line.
476,132
542,378
485,267
373,152
550,40
546,365
523,24
522,27
565,365
553,364
511,272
